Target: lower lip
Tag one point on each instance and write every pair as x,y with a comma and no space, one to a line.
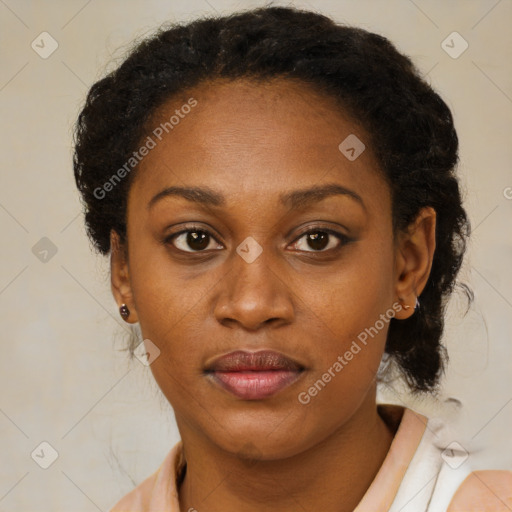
255,385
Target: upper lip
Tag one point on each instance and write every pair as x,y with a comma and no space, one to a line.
263,360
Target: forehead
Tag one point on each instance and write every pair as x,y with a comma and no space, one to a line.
256,138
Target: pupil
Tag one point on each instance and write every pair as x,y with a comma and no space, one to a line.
197,240
318,241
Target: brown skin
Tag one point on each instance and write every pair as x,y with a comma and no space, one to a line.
252,142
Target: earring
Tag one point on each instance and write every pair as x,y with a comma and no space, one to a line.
124,311
407,307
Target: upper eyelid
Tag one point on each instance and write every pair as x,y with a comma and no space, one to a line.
342,238
192,230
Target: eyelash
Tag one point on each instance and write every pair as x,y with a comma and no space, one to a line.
343,239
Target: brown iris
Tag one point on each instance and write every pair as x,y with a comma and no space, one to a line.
318,240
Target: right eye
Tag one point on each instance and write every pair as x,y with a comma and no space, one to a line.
192,240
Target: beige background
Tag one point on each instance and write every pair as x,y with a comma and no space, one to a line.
64,377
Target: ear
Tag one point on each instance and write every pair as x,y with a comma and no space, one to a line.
120,276
414,257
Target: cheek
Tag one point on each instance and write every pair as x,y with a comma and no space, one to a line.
173,313
355,294
161,294
352,310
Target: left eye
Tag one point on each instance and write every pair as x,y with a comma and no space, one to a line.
320,240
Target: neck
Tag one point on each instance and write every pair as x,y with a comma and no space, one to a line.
332,475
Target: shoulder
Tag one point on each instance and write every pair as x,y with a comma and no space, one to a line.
484,491
158,491
138,499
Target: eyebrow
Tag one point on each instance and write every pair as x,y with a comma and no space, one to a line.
201,195
299,198
294,199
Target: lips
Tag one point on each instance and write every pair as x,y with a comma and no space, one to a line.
264,360
253,375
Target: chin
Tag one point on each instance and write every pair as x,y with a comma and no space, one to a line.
277,437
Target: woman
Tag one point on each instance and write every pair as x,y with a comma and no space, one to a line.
278,197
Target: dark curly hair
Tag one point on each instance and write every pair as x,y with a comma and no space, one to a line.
410,127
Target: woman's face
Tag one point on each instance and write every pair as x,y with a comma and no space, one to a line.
266,169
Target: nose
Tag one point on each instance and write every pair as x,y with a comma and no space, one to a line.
254,295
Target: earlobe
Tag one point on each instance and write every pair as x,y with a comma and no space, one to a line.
120,279
407,308
415,254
